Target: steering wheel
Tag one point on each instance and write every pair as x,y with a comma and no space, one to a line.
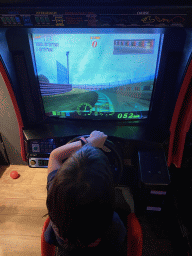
114,156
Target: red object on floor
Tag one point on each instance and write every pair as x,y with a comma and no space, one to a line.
14,175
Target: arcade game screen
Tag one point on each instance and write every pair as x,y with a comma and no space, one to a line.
97,75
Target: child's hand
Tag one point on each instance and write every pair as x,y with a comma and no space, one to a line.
97,139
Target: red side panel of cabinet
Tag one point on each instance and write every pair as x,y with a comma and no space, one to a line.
181,120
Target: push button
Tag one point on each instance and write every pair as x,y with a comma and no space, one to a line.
35,148
32,162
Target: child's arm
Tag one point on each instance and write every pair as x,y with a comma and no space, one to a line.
96,139
59,154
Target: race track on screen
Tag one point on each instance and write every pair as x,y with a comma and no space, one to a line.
121,98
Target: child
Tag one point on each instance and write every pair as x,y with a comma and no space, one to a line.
81,200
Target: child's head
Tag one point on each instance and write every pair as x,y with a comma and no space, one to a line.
81,198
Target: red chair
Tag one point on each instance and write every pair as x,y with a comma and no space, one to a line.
134,235
46,248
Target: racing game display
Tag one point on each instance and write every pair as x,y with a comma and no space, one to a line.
97,75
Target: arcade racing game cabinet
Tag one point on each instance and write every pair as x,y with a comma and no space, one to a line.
120,69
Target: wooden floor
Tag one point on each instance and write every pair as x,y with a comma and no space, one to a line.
22,205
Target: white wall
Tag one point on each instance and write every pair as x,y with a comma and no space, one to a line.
9,126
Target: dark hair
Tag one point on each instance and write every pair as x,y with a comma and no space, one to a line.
81,198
